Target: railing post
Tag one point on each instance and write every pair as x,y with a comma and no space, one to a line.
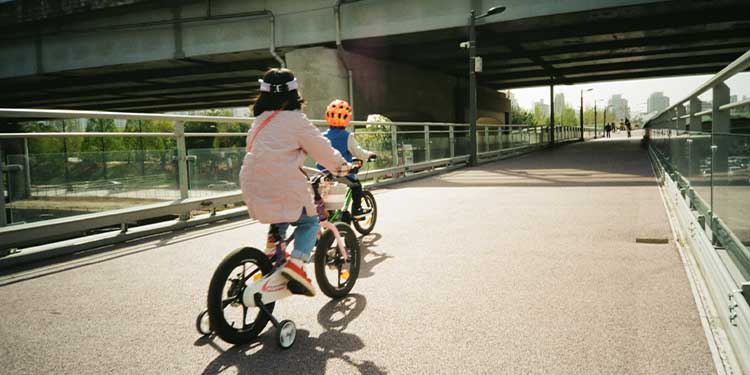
689,170
181,159
486,138
500,138
721,124
27,167
3,219
452,140
680,153
427,153
394,145
695,123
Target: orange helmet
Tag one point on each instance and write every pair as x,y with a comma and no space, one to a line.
338,113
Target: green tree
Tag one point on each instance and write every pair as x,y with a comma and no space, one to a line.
520,116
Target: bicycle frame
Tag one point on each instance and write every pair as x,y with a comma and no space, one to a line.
273,286
337,214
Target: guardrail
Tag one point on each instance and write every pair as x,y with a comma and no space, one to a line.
705,159
183,185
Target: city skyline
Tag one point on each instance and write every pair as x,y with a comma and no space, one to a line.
636,92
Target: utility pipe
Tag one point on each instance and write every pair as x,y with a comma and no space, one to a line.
272,47
340,50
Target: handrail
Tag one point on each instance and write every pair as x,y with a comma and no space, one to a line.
75,114
735,105
738,65
520,138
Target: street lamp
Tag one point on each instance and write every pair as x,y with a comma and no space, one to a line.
595,101
582,91
474,67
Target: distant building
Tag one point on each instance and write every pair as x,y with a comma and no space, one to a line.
657,102
619,107
559,103
707,105
541,107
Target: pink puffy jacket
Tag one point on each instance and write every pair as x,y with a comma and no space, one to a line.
273,186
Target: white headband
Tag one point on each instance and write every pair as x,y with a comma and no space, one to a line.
289,86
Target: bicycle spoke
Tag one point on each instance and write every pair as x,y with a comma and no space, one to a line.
338,276
244,316
244,279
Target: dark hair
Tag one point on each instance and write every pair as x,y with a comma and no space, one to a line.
270,101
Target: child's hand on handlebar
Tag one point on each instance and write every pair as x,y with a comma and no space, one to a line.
356,165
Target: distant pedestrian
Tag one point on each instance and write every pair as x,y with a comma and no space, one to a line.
607,130
627,125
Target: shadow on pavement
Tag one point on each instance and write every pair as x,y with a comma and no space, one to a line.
309,355
370,257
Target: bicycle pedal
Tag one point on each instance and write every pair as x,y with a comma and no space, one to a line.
295,287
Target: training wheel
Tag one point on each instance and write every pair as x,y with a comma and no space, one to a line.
287,332
202,324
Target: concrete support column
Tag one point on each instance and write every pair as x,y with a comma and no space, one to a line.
398,91
321,76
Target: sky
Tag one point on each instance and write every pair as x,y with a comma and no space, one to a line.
635,91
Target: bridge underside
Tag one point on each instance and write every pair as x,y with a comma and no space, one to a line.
655,40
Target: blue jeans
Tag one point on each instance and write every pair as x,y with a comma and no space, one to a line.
305,235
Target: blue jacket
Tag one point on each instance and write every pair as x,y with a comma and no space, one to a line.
339,138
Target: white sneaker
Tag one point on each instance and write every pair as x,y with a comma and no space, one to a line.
294,269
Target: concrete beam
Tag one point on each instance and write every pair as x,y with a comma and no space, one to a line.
151,35
396,90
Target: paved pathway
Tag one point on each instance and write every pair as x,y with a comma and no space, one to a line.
525,266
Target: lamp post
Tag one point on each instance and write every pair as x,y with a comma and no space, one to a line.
595,101
604,121
582,91
473,65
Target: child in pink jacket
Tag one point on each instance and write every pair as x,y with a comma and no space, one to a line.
273,184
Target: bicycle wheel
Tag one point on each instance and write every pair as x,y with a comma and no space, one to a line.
227,315
367,224
336,277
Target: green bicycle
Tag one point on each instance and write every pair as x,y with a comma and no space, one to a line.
338,198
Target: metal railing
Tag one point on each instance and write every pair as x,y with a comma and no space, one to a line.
704,155
63,195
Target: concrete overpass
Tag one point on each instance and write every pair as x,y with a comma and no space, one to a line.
138,55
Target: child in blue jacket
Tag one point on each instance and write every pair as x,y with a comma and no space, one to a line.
338,115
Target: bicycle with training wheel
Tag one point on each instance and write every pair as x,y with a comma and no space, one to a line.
365,224
245,285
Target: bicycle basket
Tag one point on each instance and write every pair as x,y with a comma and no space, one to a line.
333,194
